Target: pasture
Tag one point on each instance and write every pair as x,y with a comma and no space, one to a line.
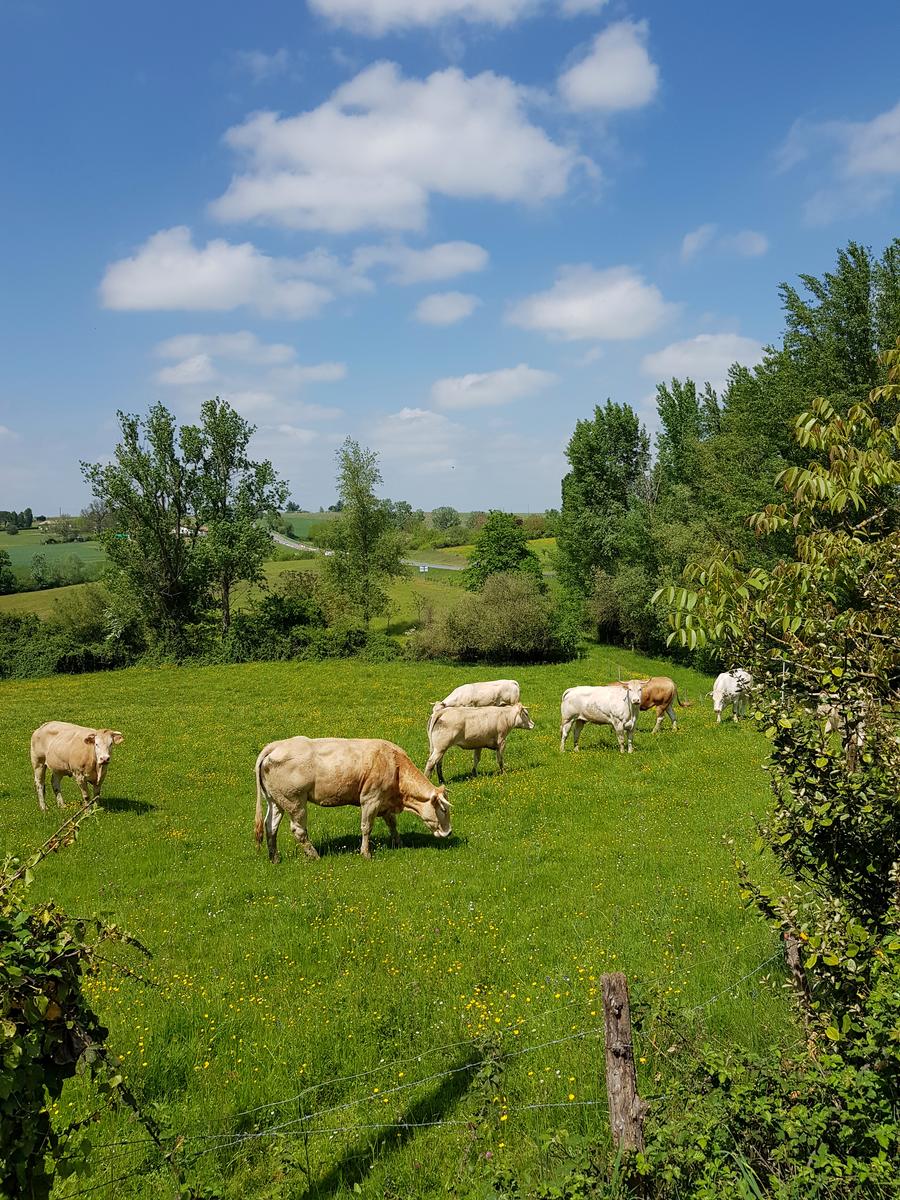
410,597
356,994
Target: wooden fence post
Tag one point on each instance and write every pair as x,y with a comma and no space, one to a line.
626,1108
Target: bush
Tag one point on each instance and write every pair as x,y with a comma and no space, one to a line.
511,621
620,609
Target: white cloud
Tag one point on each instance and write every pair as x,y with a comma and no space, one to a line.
445,308
373,154
695,241
578,8
196,369
6,432
859,159
261,66
263,380
614,304
169,272
444,260
616,74
491,388
747,243
376,17
703,358
243,346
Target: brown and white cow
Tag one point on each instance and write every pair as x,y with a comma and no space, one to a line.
377,776
659,692
474,729
75,750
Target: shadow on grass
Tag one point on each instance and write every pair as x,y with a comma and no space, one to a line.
349,843
118,804
353,1167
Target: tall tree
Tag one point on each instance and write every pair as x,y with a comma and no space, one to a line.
366,546
501,547
444,517
8,582
152,490
681,428
608,456
233,495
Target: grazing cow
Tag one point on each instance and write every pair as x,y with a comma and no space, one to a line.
377,776
617,705
74,750
494,693
473,729
731,687
659,692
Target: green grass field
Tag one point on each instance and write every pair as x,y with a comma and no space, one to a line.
410,597
351,991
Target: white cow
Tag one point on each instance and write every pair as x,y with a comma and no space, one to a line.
491,694
731,687
617,705
476,729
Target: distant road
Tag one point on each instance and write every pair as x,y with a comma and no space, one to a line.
410,562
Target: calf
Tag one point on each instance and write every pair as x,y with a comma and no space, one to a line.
617,705
74,750
474,729
376,776
731,687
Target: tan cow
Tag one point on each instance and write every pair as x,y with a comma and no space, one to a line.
659,692
377,776
74,750
477,729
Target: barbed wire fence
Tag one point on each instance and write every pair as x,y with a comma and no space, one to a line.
192,1145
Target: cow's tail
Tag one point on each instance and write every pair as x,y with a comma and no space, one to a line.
261,794
683,703
436,711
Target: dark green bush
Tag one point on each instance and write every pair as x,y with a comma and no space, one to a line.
511,620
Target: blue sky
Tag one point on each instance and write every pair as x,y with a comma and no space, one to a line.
447,227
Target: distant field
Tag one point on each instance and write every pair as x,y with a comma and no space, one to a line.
23,546
302,523
543,548
356,993
410,597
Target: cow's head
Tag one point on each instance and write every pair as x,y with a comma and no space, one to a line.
103,740
436,813
523,719
633,688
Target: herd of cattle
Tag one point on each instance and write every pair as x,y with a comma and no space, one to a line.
378,776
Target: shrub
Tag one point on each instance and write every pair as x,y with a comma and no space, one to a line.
511,620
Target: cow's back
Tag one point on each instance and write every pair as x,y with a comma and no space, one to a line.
62,746
612,700
330,771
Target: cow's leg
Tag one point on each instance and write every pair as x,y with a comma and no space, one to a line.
671,715
273,820
82,782
718,716
476,758
56,784
630,731
40,772
298,829
576,734
390,819
368,813
564,733
435,759
501,745
619,731
735,707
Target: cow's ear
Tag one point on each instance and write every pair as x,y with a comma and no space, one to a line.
89,739
117,737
